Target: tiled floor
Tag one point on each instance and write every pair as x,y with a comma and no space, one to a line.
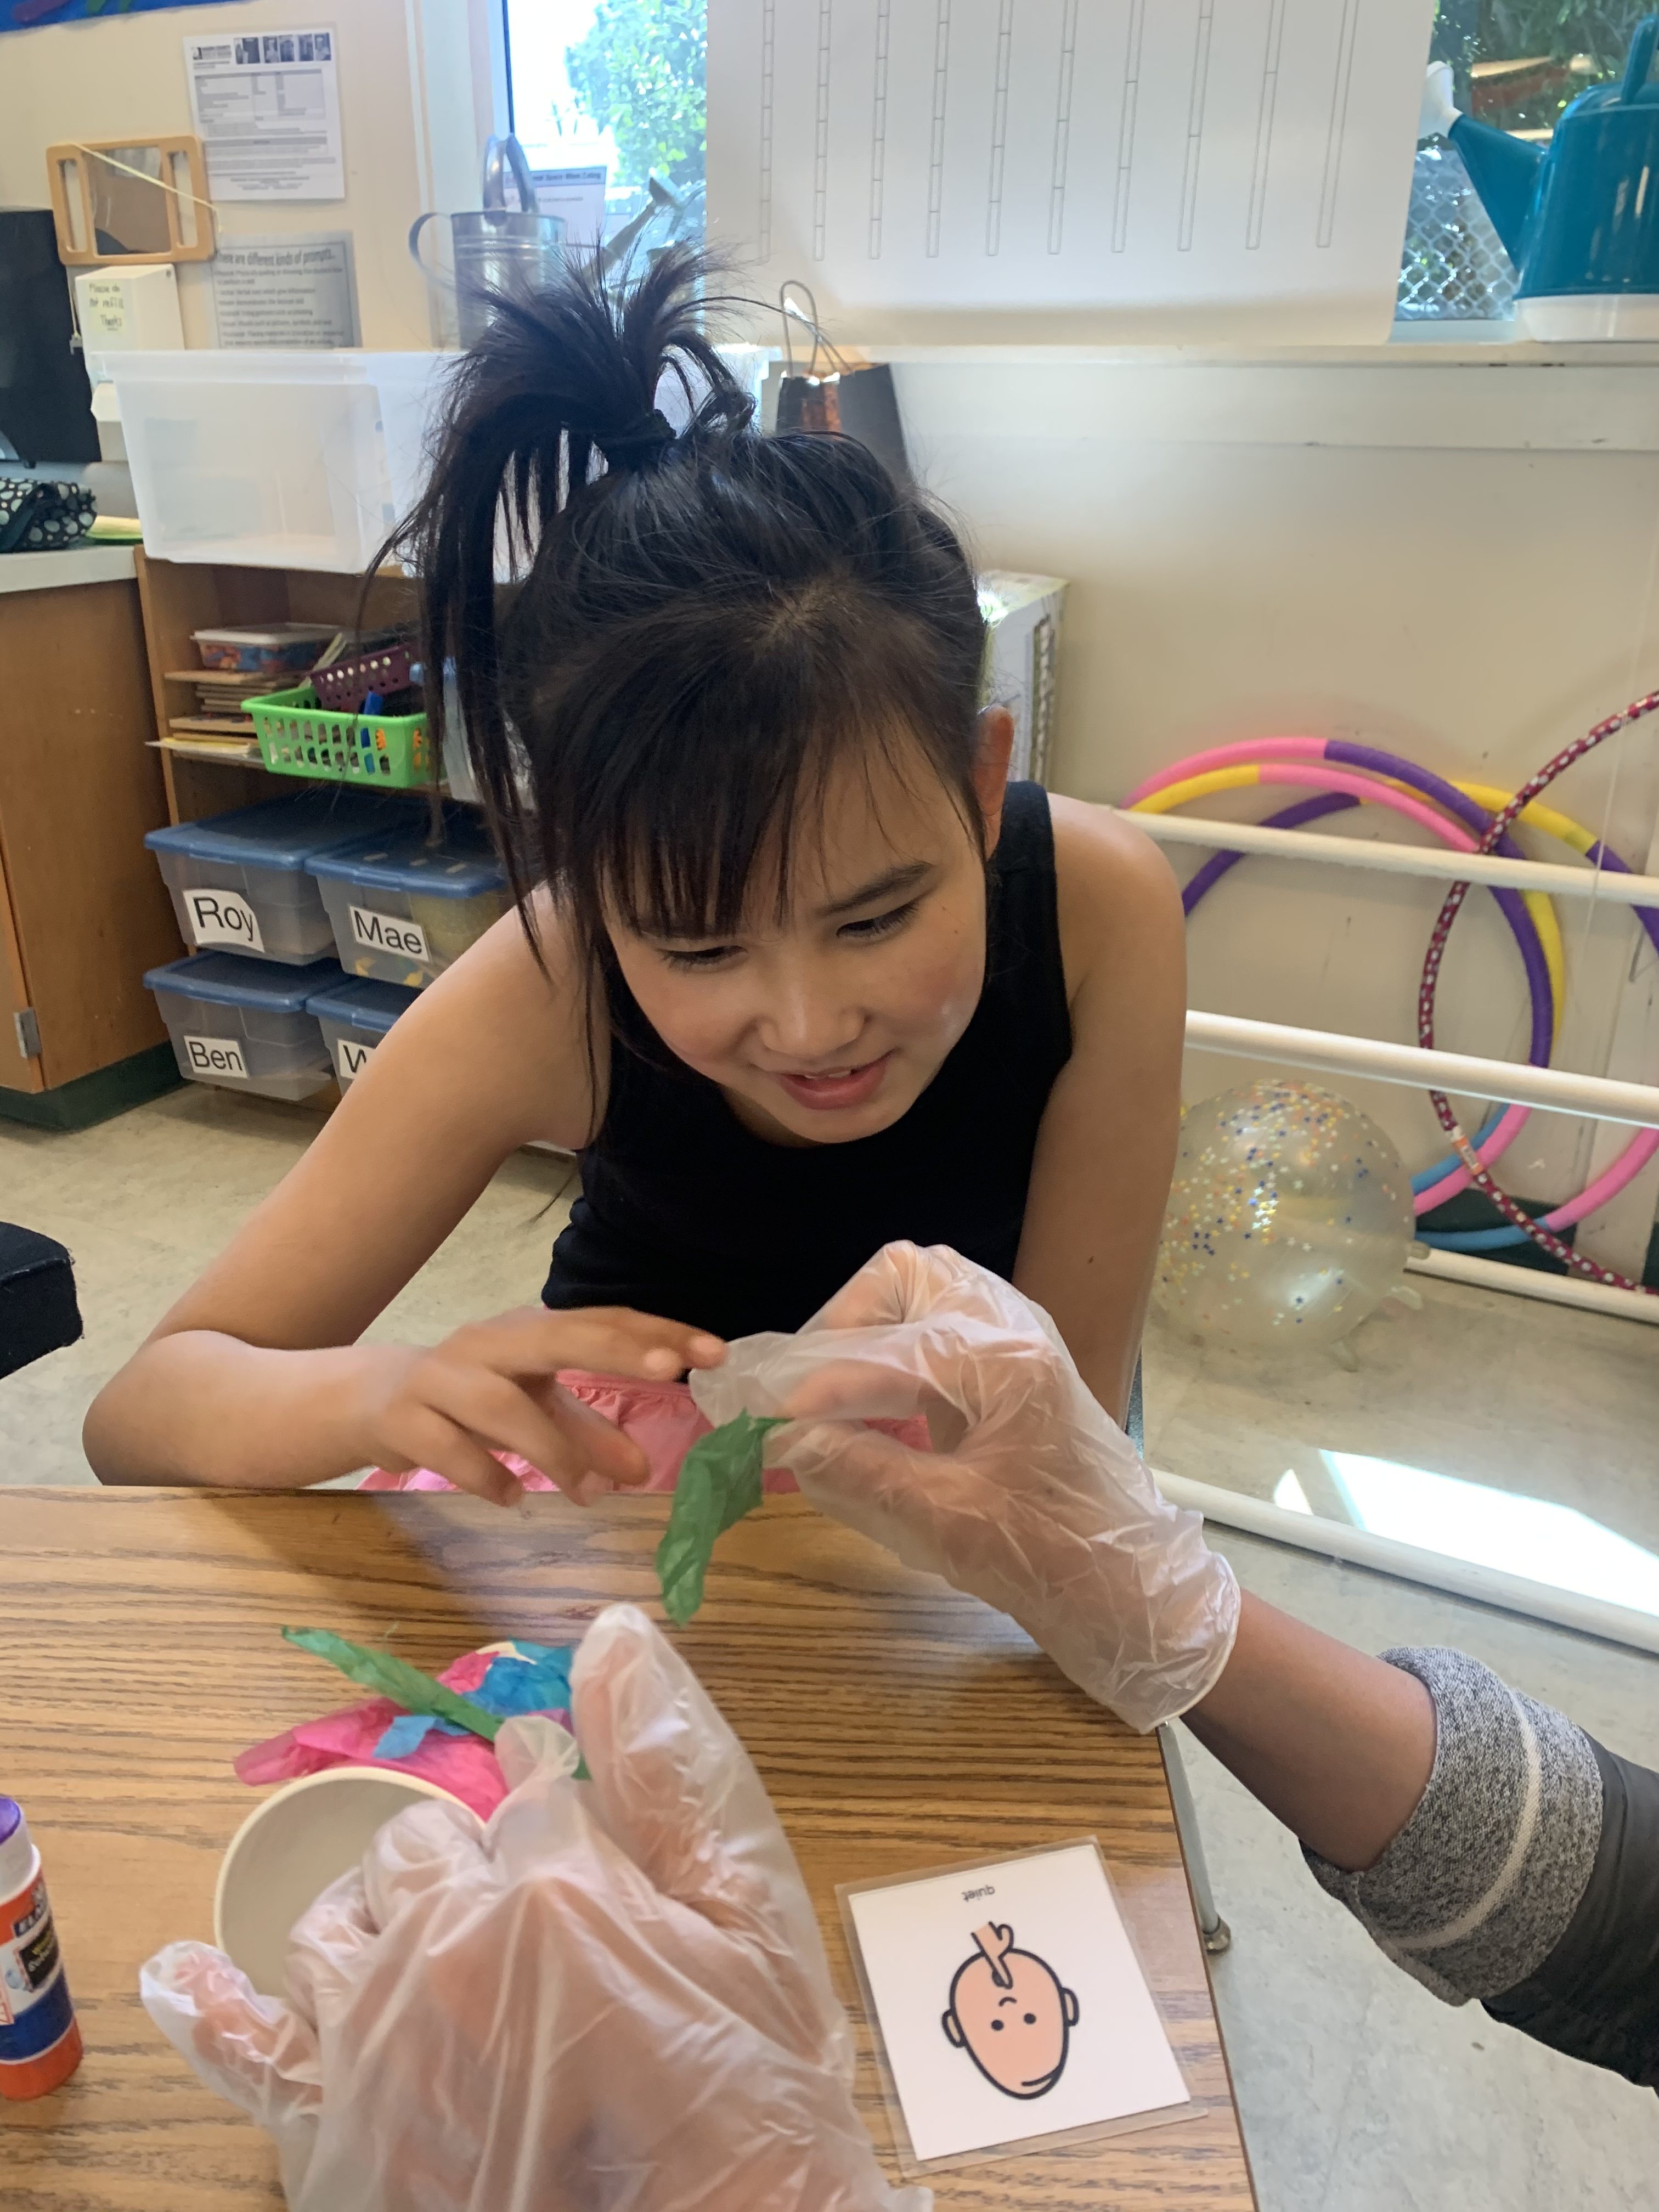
1360,2092
1508,1391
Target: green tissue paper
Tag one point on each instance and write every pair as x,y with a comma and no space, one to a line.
395,1678
719,1482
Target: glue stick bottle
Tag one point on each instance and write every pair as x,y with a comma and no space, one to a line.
39,2042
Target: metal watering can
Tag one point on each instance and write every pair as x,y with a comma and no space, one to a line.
493,248
1580,216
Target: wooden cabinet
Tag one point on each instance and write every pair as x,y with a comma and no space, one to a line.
83,911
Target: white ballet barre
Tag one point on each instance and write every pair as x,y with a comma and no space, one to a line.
1438,862
1389,1555
1475,1272
1555,1089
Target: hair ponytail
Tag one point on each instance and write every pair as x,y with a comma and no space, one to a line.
701,619
563,380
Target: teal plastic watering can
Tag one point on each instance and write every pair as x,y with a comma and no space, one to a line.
1580,215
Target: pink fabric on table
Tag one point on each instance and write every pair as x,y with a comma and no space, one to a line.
661,1418
465,1766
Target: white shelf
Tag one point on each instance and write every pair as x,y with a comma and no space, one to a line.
1417,351
73,564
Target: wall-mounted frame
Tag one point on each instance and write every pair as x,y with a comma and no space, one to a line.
142,199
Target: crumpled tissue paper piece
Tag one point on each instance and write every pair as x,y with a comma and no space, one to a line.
515,1677
719,1482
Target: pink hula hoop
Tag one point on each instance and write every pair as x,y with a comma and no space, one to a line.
1245,754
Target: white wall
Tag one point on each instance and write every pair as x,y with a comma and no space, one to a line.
413,118
1455,560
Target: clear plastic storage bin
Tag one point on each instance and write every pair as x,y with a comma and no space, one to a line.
239,881
304,458
296,459
269,649
354,1016
404,909
243,1023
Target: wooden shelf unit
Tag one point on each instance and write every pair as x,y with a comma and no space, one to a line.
181,598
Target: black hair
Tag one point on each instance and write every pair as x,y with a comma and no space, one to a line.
704,625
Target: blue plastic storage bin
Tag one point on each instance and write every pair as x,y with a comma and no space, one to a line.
354,1016
404,908
239,881
243,1023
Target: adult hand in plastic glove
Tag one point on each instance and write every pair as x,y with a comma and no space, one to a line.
614,1996
1044,1508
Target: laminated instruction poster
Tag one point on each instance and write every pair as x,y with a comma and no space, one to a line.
577,197
1170,167
300,289
266,106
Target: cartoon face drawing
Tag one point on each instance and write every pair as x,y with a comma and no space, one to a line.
1010,2011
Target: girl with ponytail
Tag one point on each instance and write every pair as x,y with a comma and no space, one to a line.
793,968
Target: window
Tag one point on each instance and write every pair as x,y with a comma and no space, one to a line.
1516,64
618,83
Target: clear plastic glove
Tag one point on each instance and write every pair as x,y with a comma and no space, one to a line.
613,1998
1038,1504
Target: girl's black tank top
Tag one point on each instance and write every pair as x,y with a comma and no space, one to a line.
686,1213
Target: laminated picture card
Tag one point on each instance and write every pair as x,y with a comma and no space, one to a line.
1009,2005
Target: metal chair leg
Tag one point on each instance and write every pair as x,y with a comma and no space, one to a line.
1215,1934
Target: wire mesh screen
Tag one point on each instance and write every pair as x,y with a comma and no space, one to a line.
1454,266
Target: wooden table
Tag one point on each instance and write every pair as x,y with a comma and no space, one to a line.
895,1724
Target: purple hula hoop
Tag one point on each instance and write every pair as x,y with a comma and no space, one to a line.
1514,906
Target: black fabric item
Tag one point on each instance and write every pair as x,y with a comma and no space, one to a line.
1597,1997
870,413
37,1311
686,1213
45,401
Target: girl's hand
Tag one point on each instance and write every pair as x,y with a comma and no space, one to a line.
1036,1502
491,1388
614,1993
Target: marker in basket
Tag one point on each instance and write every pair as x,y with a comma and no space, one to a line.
39,2041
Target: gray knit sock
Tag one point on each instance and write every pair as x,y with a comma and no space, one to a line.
1477,1889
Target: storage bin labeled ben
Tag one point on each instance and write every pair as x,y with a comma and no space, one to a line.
354,1017
239,881
243,1023
404,908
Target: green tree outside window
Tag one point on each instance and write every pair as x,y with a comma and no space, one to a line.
642,72
1518,63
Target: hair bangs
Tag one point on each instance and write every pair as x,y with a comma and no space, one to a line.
692,816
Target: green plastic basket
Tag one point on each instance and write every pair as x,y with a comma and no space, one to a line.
298,736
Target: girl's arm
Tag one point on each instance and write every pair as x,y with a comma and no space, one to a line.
1335,1744
255,1377
1107,1147
1493,1849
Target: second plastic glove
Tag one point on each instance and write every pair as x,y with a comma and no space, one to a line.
1038,1504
